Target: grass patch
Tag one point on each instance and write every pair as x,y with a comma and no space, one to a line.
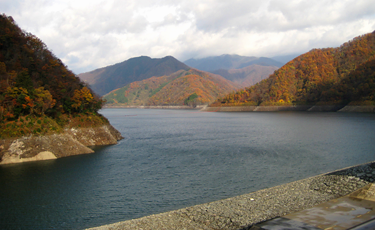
44,125
83,121
118,96
31,125
190,99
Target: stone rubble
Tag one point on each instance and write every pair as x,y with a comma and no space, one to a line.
244,211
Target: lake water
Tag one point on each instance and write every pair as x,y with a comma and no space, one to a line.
172,159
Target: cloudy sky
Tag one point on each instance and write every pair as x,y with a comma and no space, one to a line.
89,34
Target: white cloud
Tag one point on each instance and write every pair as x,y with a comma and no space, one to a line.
96,33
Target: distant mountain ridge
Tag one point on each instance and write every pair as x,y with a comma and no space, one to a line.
106,79
243,70
227,61
247,76
262,61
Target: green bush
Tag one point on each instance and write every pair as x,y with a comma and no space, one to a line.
190,99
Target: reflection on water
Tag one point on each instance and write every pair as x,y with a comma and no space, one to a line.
171,159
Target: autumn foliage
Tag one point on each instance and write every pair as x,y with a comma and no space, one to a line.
33,81
322,76
191,87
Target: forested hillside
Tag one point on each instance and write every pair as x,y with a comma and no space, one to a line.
322,76
106,79
36,88
192,87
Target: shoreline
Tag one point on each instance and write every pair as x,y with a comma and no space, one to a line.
244,211
199,107
73,141
303,108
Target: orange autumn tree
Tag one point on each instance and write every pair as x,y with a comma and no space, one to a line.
17,101
82,99
43,101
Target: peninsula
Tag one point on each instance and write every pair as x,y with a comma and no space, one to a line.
46,112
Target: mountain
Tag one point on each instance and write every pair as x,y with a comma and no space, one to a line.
262,61
106,79
358,88
243,70
247,76
191,87
330,76
38,94
35,78
224,61
227,62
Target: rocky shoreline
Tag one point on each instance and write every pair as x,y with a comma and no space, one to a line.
198,107
308,108
242,212
73,141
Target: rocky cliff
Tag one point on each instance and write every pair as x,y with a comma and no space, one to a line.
73,141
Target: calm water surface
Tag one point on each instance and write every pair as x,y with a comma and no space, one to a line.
172,159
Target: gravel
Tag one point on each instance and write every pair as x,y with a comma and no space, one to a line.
242,212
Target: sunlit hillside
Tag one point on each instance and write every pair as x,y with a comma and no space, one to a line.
322,76
192,87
